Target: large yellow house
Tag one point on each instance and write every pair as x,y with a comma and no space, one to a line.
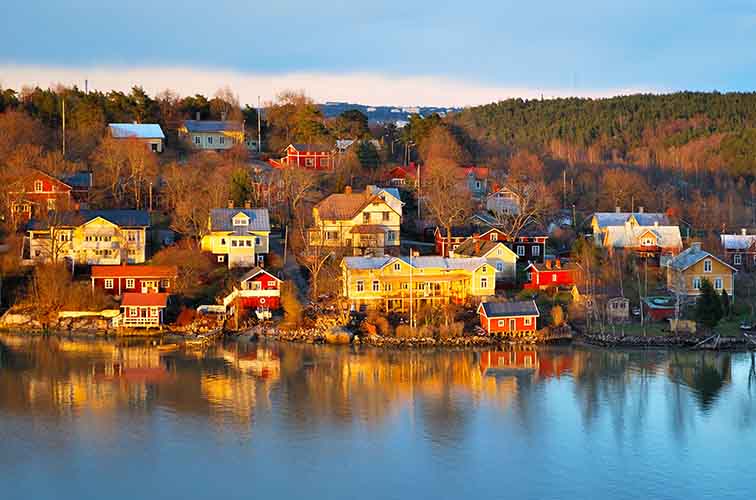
94,237
391,282
238,237
212,135
361,223
686,272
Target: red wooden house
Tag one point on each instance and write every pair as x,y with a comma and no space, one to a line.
314,156
258,289
510,318
402,175
143,310
529,246
550,273
37,194
118,280
496,362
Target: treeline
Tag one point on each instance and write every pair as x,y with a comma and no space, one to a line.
686,130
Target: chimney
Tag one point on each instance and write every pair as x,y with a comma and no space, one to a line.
197,116
656,223
744,232
247,204
348,190
617,209
557,264
547,262
696,246
230,203
640,210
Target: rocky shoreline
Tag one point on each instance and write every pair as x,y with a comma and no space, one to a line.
666,342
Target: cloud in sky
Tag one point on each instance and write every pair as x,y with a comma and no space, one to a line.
363,88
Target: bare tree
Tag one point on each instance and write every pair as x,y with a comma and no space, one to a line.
534,204
446,198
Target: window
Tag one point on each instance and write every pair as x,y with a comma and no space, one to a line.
707,266
385,216
209,140
500,266
309,162
494,237
257,241
528,321
249,243
38,186
483,282
502,322
647,242
376,286
332,235
133,312
391,236
405,286
397,266
696,283
536,250
223,241
477,184
165,283
366,218
109,283
360,286
737,259
221,258
154,147
324,162
718,283
51,204
520,250
222,140
197,140
233,243
240,221
130,283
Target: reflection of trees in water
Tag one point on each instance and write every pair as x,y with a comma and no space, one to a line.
706,373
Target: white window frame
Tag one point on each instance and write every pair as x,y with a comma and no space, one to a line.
484,281
500,266
309,162
39,186
502,322
221,258
397,266
536,250
240,221
707,266
494,237
360,286
165,283
209,139
197,140
737,259
528,321
521,250
697,283
221,140
718,283
109,283
324,162
130,283
376,286
553,278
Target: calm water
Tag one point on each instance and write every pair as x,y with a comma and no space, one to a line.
244,420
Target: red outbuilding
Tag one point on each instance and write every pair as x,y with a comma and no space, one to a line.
118,280
38,194
142,309
550,273
314,156
511,318
258,289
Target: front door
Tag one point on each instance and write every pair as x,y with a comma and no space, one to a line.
512,325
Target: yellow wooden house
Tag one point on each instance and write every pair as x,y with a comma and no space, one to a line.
391,283
238,237
687,271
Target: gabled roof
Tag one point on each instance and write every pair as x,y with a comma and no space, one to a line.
477,172
563,266
313,148
254,272
346,206
377,190
79,180
221,219
122,218
737,241
210,126
608,219
137,130
691,256
503,189
144,299
625,236
509,309
134,271
480,248
422,262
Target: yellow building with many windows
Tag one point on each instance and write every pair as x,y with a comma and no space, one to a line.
686,272
390,283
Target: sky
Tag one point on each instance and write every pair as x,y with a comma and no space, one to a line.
392,52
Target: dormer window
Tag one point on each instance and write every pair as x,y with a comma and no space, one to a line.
240,220
707,266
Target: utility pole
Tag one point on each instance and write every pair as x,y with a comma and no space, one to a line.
63,103
150,197
564,189
419,197
259,134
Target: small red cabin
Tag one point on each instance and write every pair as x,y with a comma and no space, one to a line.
550,273
314,156
40,193
118,280
142,309
511,318
259,289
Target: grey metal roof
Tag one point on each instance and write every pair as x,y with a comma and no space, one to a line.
221,220
505,309
376,190
79,180
737,241
316,148
477,248
422,262
608,219
212,126
138,130
367,262
123,218
691,256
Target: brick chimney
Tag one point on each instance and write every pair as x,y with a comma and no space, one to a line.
348,190
230,203
247,204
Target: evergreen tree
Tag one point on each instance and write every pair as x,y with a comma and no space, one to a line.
241,187
708,306
726,305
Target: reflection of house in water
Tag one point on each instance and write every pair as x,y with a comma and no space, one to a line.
262,362
704,372
536,363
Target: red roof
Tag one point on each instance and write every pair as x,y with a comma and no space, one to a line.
124,271
144,299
